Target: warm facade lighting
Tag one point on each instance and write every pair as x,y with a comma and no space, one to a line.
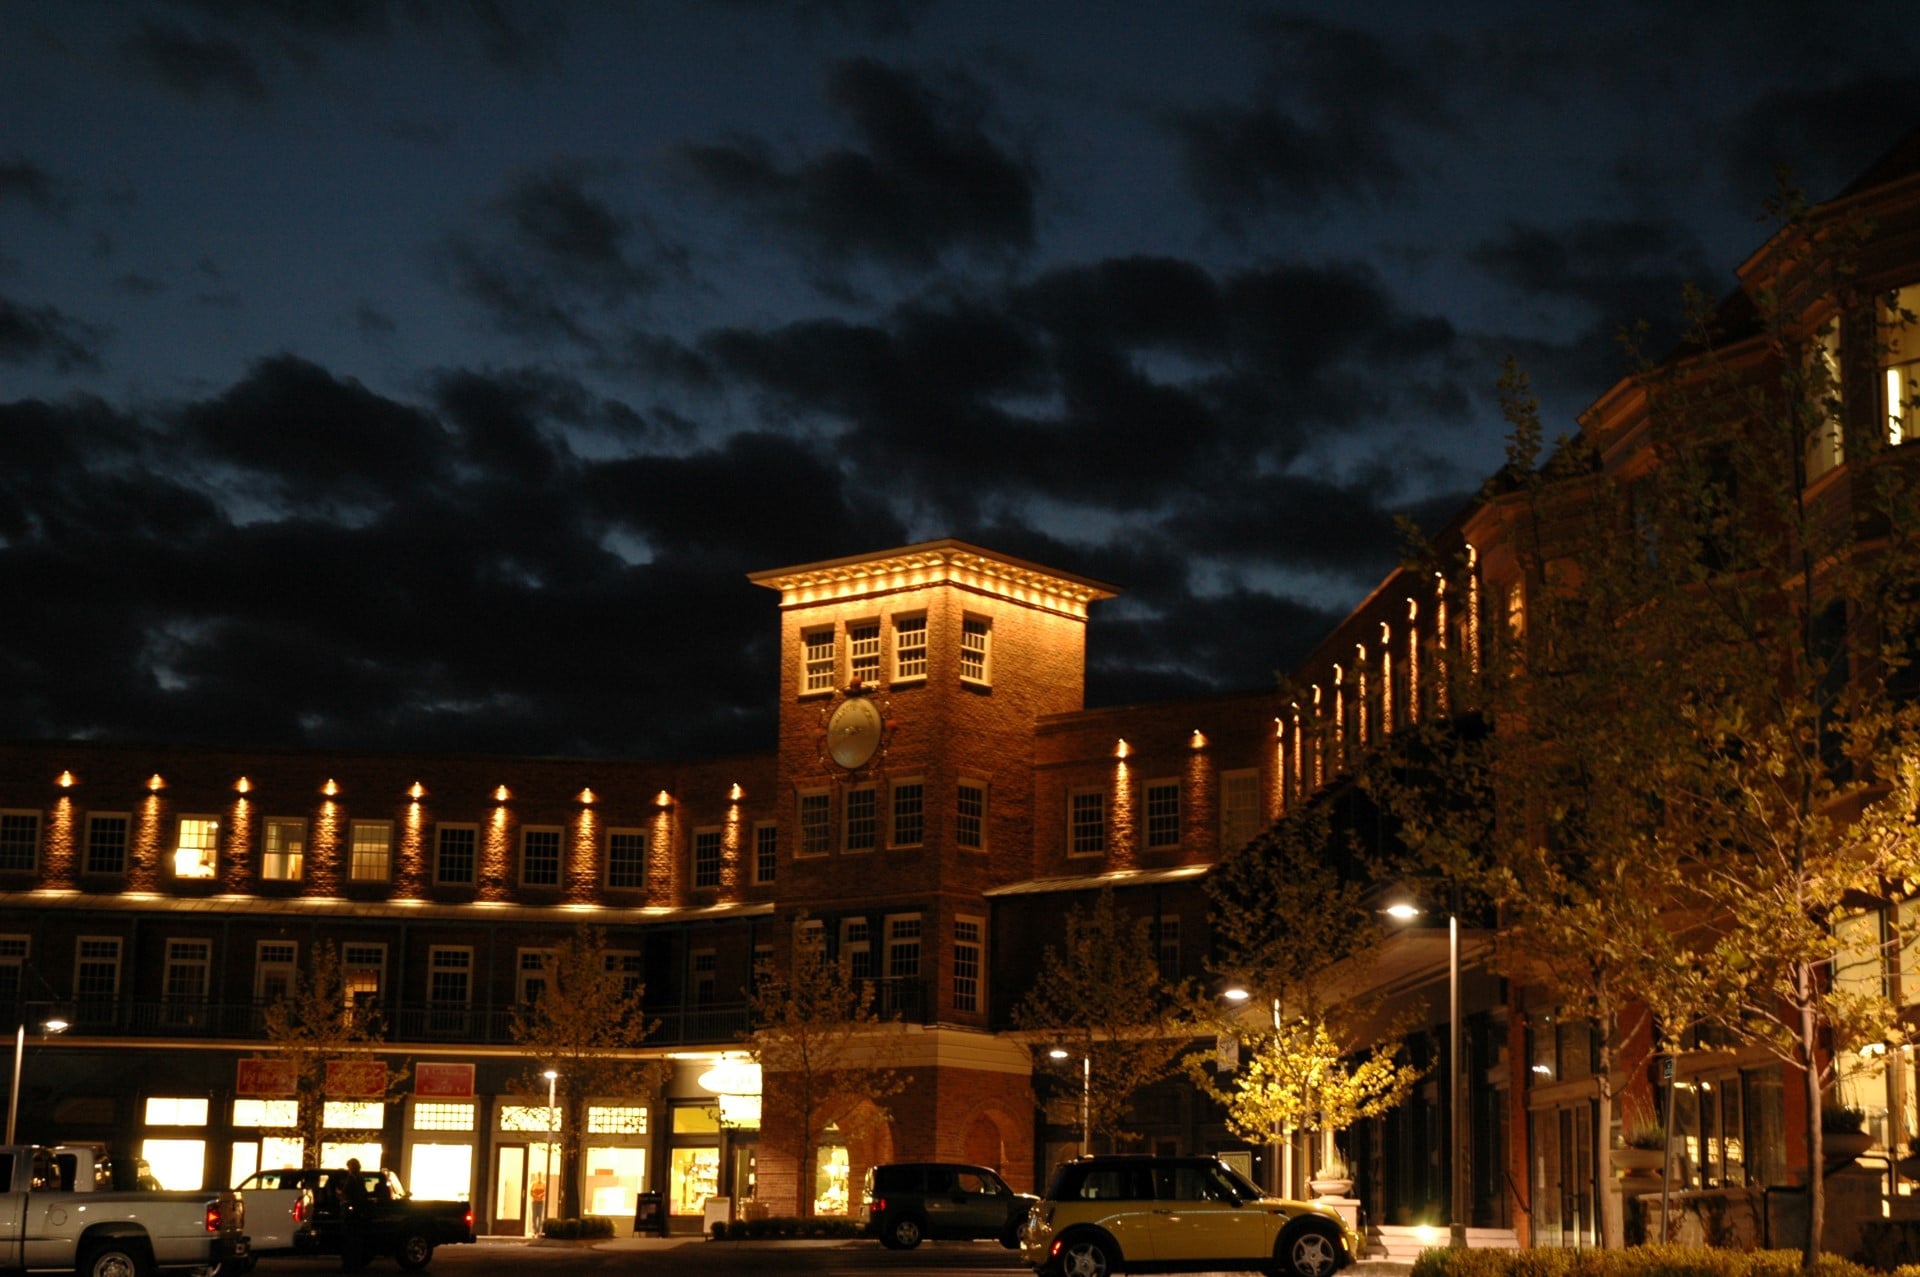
586,797
501,795
417,792
663,799
330,788
243,786
64,780
155,784
1120,749
736,793
1199,740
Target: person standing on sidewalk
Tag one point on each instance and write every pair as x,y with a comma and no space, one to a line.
354,1207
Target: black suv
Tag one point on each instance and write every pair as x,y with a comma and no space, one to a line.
903,1202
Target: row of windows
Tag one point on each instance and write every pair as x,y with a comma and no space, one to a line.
1089,822
860,827
284,843
902,935
821,647
1897,342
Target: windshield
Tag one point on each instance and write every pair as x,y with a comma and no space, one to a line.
1241,1185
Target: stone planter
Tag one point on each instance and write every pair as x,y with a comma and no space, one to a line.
1844,1146
1330,1187
1638,1161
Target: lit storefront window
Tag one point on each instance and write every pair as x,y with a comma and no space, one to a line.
176,1161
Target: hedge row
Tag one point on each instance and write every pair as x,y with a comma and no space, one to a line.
591,1226
1636,1261
789,1226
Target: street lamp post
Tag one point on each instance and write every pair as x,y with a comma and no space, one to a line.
1456,1195
19,1057
553,1189
1086,1096
1280,1148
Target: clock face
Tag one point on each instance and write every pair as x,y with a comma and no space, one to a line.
853,732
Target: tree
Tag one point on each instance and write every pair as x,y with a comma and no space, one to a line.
314,1028
1293,912
586,1026
1101,998
826,1056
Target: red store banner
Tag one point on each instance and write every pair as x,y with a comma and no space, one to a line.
357,1079
443,1081
265,1079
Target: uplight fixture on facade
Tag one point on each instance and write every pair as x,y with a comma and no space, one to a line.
586,797
243,786
1199,739
64,780
417,791
501,795
331,788
736,793
1120,749
663,800
155,784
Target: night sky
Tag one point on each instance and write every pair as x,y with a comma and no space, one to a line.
390,374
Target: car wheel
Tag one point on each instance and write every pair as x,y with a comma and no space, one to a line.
1011,1238
1310,1252
414,1251
114,1259
904,1233
1085,1256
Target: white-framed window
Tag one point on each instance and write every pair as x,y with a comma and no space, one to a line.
1900,363
706,975
530,975
196,849
909,813
1239,808
276,969
449,987
624,963
976,650
107,842
706,857
456,849
863,819
626,858
909,648
970,815
968,945
1163,813
816,823
363,974
1087,822
19,841
817,660
766,851
903,946
283,849
370,850
183,985
540,856
441,1115
856,947
863,652
616,1119
96,978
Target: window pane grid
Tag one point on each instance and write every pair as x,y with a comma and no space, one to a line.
626,859
974,635
816,825
817,673
372,842
540,857
969,821
19,839
455,860
1163,814
1088,823
909,815
966,965
863,651
766,849
107,844
910,647
706,858
863,819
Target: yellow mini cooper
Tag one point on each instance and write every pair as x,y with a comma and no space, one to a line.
1107,1214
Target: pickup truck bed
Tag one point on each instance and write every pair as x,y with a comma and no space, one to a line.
407,1228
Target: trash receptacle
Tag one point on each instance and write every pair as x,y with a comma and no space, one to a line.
649,1215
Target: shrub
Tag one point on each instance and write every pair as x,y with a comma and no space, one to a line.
1838,1119
586,1227
785,1226
1633,1261
1645,1137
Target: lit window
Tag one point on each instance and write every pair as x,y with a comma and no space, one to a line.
454,860
284,850
1826,447
107,844
195,854
19,840
706,858
540,857
362,973
816,674
976,634
863,652
442,1117
816,824
909,648
616,1119
970,816
1086,822
626,858
1516,610
371,855
909,814
863,819
1163,813
766,851
966,963
1900,364
166,1110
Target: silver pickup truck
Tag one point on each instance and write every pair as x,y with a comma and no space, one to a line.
58,1215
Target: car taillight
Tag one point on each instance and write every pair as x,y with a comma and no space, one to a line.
213,1218
879,1203
299,1210
469,1221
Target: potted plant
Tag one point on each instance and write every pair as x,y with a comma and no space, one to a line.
1642,1151
1842,1131
1332,1178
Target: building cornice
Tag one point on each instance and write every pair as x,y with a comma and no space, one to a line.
334,908
929,563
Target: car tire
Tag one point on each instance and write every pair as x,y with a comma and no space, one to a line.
1086,1255
414,1251
114,1259
904,1233
1011,1238
1312,1250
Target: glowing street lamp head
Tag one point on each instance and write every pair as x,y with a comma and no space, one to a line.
1403,911
1056,1054
55,1025
1235,994
552,1075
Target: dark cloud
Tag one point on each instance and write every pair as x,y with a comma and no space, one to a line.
879,19
136,284
42,335
193,65
370,320
1317,130
556,259
1838,130
24,182
522,36
927,180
